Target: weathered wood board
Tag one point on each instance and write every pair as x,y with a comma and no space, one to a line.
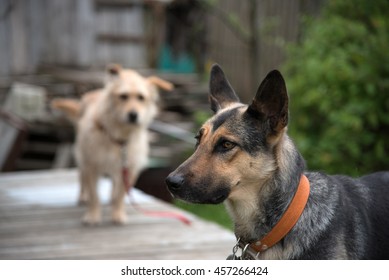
39,219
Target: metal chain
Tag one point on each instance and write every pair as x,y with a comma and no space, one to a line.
247,252
234,250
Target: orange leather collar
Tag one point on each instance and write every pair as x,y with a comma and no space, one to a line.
288,220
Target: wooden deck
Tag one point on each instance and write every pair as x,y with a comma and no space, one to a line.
39,219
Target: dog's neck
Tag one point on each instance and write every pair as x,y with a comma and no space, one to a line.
265,203
116,136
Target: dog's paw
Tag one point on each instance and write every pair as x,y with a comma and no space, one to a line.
83,199
91,219
119,217
82,202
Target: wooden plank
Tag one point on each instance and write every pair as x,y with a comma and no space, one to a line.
18,38
118,4
70,75
84,34
39,220
13,132
6,8
173,131
121,38
36,33
52,44
103,51
61,31
9,135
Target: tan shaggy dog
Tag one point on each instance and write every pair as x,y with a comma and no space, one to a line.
112,133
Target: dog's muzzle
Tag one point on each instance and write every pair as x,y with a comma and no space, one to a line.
132,117
181,189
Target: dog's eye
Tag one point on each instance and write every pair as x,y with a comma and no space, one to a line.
227,145
223,145
140,97
123,96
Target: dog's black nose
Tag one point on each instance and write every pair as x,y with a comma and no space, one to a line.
132,117
174,182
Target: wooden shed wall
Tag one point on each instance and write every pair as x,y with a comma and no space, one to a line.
92,33
71,33
277,22
21,35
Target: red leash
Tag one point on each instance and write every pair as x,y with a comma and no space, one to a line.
160,214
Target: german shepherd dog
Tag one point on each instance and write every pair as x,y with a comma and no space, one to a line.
245,159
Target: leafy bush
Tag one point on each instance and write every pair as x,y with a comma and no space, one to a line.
338,80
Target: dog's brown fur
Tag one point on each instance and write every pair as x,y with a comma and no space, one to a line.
112,127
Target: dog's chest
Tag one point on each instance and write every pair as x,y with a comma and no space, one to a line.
113,159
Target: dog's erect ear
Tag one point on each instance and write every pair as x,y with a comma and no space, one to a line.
221,92
161,83
113,70
271,101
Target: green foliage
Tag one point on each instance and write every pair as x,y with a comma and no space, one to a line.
213,213
201,117
338,80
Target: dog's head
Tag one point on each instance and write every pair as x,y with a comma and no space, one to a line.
235,148
132,98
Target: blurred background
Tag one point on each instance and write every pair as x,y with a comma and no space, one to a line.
334,55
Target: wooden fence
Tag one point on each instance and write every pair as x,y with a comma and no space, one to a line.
80,33
277,23
92,33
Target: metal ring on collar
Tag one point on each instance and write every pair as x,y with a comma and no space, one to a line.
244,251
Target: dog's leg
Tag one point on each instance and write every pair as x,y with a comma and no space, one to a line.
119,215
89,183
114,193
83,197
